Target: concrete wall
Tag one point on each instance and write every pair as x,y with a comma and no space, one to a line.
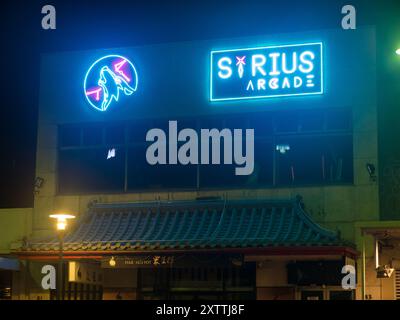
15,224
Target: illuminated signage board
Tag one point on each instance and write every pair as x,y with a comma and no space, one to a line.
108,79
266,72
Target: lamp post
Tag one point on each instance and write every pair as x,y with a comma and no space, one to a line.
61,226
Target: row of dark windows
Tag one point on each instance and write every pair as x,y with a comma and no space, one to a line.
321,157
229,276
264,124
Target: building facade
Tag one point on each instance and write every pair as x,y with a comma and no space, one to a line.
309,207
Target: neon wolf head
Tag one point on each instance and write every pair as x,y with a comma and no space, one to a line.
111,85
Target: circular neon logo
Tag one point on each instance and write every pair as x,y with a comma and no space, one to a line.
108,79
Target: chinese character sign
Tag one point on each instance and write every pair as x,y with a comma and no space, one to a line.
266,72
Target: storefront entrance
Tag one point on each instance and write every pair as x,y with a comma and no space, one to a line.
324,293
198,283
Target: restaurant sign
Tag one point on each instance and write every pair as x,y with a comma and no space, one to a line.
138,261
176,261
266,72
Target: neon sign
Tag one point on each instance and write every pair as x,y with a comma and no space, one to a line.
108,79
266,72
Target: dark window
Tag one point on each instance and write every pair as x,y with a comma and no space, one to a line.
224,175
338,157
236,122
138,130
89,170
187,123
92,135
70,136
115,135
142,175
305,273
311,120
263,164
296,147
262,124
287,122
338,119
214,122
301,163
214,176
314,160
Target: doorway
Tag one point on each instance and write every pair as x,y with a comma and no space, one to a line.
198,283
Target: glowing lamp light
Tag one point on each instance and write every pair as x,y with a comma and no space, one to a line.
61,220
398,51
112,262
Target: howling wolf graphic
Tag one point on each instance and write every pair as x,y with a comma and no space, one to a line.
111,85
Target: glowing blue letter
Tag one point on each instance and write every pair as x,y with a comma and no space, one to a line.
258,60
304,60
284,63
228,70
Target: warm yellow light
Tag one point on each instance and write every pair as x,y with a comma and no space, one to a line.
61,219
112,262
61,225
62,216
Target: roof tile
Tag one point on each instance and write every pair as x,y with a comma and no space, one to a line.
194,224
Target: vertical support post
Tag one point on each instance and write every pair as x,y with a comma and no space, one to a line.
363,287
376,253
60,266
26,273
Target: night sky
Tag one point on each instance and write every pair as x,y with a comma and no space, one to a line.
98,24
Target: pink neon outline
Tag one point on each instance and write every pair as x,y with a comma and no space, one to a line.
117,68
97,92
240,60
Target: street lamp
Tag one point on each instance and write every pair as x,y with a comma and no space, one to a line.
62,219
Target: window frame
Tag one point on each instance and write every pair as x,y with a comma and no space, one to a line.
224,118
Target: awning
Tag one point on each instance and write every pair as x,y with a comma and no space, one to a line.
9,264
194,225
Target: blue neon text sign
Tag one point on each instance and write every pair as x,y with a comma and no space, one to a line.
266,72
